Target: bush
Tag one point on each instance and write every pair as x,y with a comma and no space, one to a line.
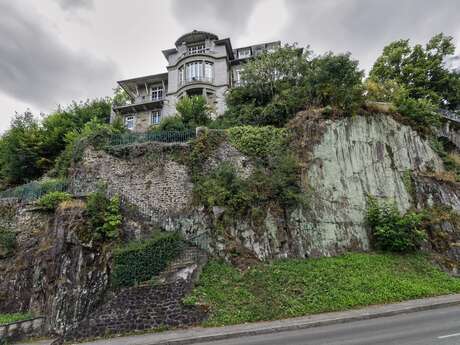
51,200
140,261
171,124
422,111
104,215
392,231
194,111
7,242
257,142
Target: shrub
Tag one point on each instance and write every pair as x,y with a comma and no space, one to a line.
170,123
392,231
194,111
140,261
7,242
422,111
51,200
104,215
257,142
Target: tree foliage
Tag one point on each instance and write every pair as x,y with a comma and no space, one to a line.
276,85
194,111
30,147
421,70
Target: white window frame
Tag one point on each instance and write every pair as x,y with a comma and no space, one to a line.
194,71
238,76
197,49
130,119
156,93
208,71
244,53
182,75
155,117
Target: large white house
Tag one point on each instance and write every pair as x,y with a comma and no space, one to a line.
200,64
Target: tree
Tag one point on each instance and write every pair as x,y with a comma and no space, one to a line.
275,86
335,80
421,70
21,158
194,111
271,90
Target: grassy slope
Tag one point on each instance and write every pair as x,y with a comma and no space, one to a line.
9,318
293,288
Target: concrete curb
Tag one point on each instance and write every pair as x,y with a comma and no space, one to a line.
198,335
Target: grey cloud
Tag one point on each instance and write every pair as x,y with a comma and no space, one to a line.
228,17
38,68
363,27
75,4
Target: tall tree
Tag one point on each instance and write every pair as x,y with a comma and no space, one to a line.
421,70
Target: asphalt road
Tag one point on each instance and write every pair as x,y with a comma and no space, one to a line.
439,327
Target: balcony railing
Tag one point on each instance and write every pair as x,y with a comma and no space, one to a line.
192,80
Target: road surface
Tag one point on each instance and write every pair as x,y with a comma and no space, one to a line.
439,327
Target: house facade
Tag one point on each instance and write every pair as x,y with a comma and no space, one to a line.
200,64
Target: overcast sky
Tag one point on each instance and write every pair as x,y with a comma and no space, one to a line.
56,51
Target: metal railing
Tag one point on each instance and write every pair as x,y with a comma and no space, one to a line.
35,190
450,115
163,136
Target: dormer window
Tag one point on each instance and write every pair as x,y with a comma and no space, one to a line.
244,53
197,49
156,93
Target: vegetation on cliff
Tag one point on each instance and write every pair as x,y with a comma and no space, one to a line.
291,288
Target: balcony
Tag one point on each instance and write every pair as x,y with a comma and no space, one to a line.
144,103
194,80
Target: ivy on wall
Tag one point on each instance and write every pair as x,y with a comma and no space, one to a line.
140,261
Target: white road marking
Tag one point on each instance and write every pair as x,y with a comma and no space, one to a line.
449,336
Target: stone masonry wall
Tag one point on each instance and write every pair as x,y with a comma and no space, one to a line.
23,329
141,308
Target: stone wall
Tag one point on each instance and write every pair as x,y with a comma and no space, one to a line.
23,329
141,308
148,307
342,160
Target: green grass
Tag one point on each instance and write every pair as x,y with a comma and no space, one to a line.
10,318
292,288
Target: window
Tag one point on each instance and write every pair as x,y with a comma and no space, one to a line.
129,122
196,71
181,75
155,117
244,53
157,93
198,49
238,76
272,47
208,71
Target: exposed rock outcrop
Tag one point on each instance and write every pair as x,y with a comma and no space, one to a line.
343,161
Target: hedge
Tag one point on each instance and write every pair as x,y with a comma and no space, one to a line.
140,261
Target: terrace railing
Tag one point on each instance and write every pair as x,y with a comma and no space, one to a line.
34,190
163,136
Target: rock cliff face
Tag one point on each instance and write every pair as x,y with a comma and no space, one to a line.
53,273
342,160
